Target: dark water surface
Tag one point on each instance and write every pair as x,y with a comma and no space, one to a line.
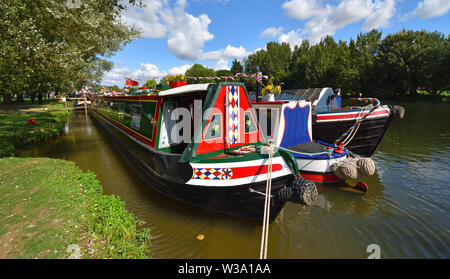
405,211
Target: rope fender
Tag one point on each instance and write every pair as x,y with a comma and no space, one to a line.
300,191
354,168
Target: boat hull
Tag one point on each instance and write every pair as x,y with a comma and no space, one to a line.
318,170
164,173
367,138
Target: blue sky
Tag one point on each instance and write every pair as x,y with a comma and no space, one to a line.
179,33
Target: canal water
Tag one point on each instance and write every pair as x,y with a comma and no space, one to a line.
405,212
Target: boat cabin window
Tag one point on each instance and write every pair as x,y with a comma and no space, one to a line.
250,125
135,116
214,130
176,134
121,110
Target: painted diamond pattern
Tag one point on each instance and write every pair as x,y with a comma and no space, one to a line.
212,173
233,112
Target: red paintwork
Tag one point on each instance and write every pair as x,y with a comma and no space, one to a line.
254,170
136,98
206,146
177,83
322,178
341,116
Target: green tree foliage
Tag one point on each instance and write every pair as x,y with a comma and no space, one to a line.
50,46
273,61
198,70
224,73
400,64
412,60
150,83
237,67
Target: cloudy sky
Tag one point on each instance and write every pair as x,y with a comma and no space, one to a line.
179,33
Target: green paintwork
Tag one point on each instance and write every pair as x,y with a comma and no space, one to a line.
136,115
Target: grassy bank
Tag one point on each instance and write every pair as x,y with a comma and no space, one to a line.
49,208
15,132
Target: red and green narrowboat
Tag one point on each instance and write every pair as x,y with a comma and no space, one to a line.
199,144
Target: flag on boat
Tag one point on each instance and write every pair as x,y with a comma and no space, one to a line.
131,82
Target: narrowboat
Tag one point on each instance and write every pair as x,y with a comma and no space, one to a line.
199,144
288,124
330,120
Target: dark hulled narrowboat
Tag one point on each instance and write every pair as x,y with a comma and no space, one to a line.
221,166
330,120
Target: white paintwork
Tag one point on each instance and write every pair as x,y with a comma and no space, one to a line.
278,135
320,166
371,116
185,89
240,181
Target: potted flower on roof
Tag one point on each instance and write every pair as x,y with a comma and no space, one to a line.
271,89
175,80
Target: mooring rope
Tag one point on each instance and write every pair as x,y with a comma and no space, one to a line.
266,218
358,121
350,136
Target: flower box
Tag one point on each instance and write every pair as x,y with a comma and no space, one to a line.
178,83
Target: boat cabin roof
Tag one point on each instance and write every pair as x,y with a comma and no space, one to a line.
321,98
191,88
313,94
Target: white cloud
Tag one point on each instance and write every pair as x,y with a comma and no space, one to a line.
380,15
221,64
431,8
323,20
179,70
292,37
301,9
271,32
186,34
145,72
146,18
116,76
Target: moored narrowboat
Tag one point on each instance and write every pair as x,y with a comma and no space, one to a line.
288,124
199,144
330,120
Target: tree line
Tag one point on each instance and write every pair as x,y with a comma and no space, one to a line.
51,46
399,64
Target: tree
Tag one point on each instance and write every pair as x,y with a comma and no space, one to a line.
198,70
363,59
412,60
150,83
237,67
224,73
46,45
273,62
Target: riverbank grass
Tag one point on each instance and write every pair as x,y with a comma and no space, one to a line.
49,208
14,130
